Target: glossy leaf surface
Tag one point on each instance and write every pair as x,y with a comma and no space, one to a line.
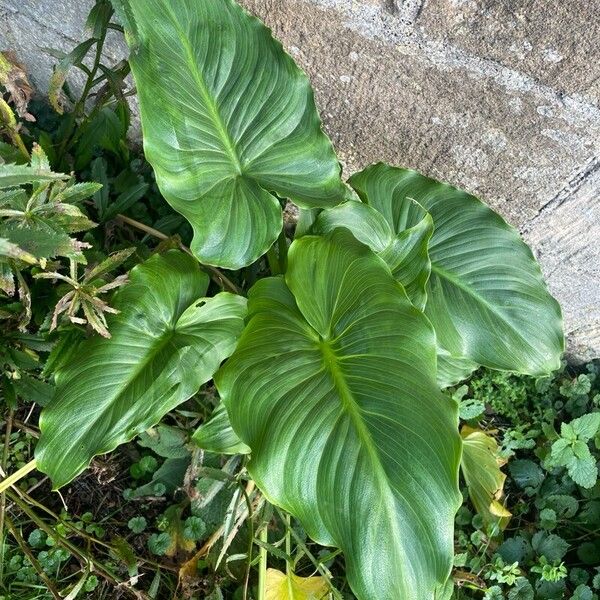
333,387
486,297
228,121
404,252
166,342
217,435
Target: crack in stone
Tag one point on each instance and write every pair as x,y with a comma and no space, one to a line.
567,192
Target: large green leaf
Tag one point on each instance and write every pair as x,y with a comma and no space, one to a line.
228,121
404,252
333,387
486,296
166,342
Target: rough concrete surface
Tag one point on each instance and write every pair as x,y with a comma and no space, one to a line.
501,98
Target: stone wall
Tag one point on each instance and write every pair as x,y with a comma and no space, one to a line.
499,97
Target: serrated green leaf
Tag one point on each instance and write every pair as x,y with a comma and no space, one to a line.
526,473
586,426
11,250
77,192
67,217
562,451
228,121
582,468
32,389
41,238
333,388
486,297
564,506
552,546
15,175
166,341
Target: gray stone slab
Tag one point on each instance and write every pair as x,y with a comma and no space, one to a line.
31,27
513,146
566,240
557,42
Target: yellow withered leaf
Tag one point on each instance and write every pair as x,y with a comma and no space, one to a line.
279,586
481,469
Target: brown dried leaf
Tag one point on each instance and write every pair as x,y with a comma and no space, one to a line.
14,78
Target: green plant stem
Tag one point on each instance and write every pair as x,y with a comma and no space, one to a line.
250,539
277,255
32,502
282,249
318,565
288,543
32,559
214,273
80,104
7,432
262,564
12,479
18,142
273,261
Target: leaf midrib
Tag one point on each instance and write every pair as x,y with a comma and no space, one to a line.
454,280
352,409
206,95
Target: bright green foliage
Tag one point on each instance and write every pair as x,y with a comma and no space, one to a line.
402,244
229,121
486,297
166,342
555,521
333,387
37,222
91,583
333,390
571,450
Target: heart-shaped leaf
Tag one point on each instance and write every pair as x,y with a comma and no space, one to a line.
166,342
333,387
486,296
404,252
228,121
